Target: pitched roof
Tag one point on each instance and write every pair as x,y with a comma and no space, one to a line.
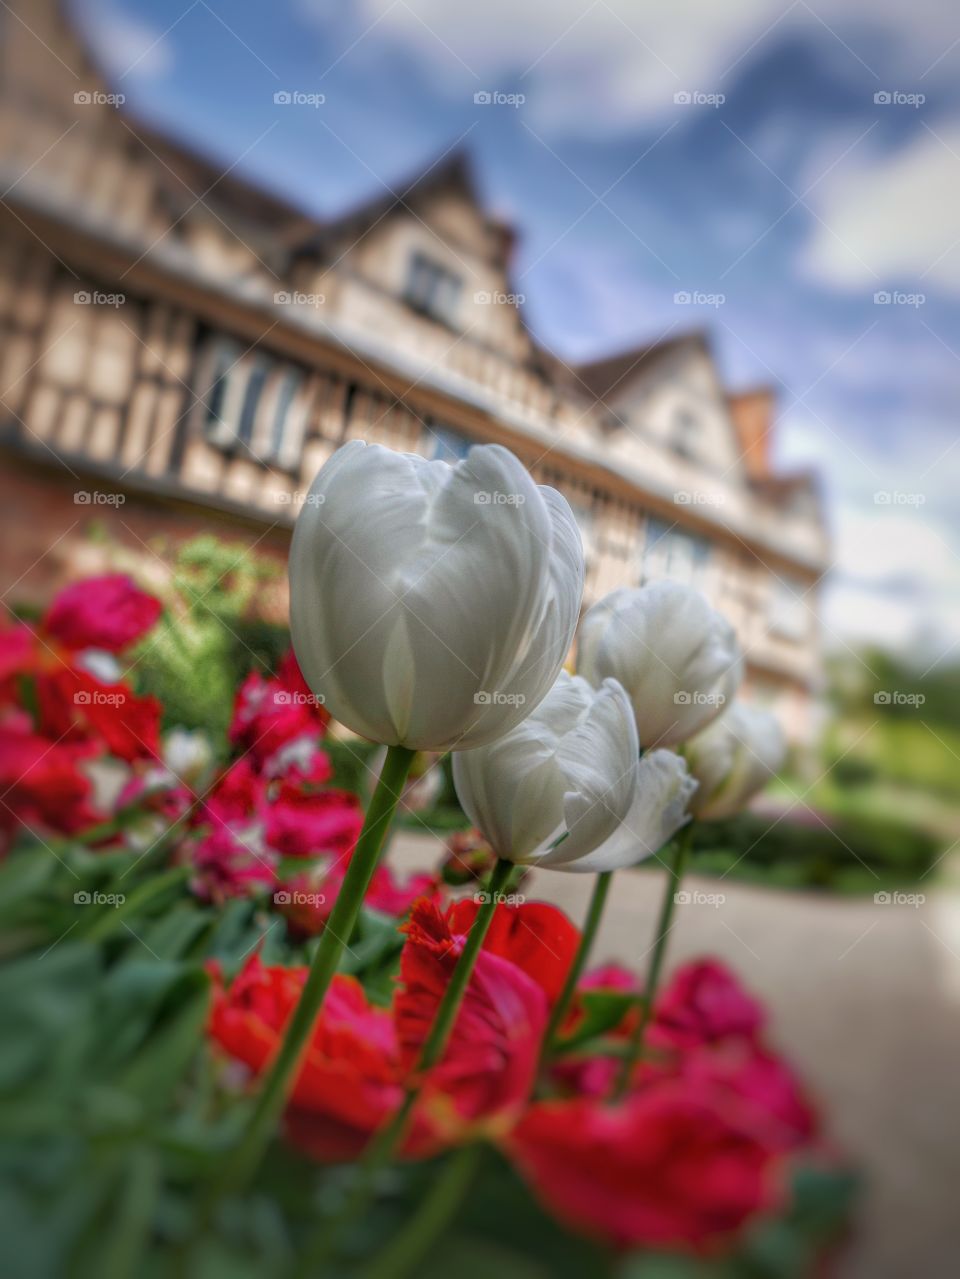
453,171
608,378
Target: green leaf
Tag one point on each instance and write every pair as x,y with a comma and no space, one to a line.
602,1010
119,1253
158,1069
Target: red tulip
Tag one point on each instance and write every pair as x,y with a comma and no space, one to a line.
349,1080
758,1085
703,1003
535,936
301,823
490,1064
76,705
42,782
269,714
108,612
669,1167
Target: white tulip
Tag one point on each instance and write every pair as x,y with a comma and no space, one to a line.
659,809
559,784
187,754
676,656
733,759
432,606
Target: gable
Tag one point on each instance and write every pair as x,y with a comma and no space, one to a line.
439,245
677,402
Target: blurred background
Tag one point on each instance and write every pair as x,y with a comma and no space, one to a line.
697,266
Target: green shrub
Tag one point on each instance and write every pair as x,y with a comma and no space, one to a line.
211,635
851,853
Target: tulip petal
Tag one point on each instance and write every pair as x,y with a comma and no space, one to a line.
432,605
659,809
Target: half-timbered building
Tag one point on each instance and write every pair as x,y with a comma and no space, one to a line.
175,335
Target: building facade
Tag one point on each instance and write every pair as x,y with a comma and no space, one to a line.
183,339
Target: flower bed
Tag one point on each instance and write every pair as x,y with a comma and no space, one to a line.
238,1042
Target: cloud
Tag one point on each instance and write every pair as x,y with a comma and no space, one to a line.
896,578
584,67
129,46
588,68
895,219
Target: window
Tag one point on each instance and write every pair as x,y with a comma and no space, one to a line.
432,289
290,384
448,446
224,397
684,432
253,404
256,379
672,552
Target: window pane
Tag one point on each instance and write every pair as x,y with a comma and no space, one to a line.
432,289
248,414
448,445
289,387
226,384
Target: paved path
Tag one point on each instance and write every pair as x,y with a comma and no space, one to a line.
865,999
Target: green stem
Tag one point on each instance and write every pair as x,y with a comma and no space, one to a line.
664,925
591,924
386,1141
243,1162
434,1046
403,1254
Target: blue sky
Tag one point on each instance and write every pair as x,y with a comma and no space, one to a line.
783,187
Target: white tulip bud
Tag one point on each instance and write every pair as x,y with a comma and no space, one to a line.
431,606
733,759
676,656
659,809
558,785
187,754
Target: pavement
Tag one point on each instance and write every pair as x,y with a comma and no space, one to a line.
864,998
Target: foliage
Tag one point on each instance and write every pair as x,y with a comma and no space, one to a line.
114,1113
122,1089
896,721
211,636
855,853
